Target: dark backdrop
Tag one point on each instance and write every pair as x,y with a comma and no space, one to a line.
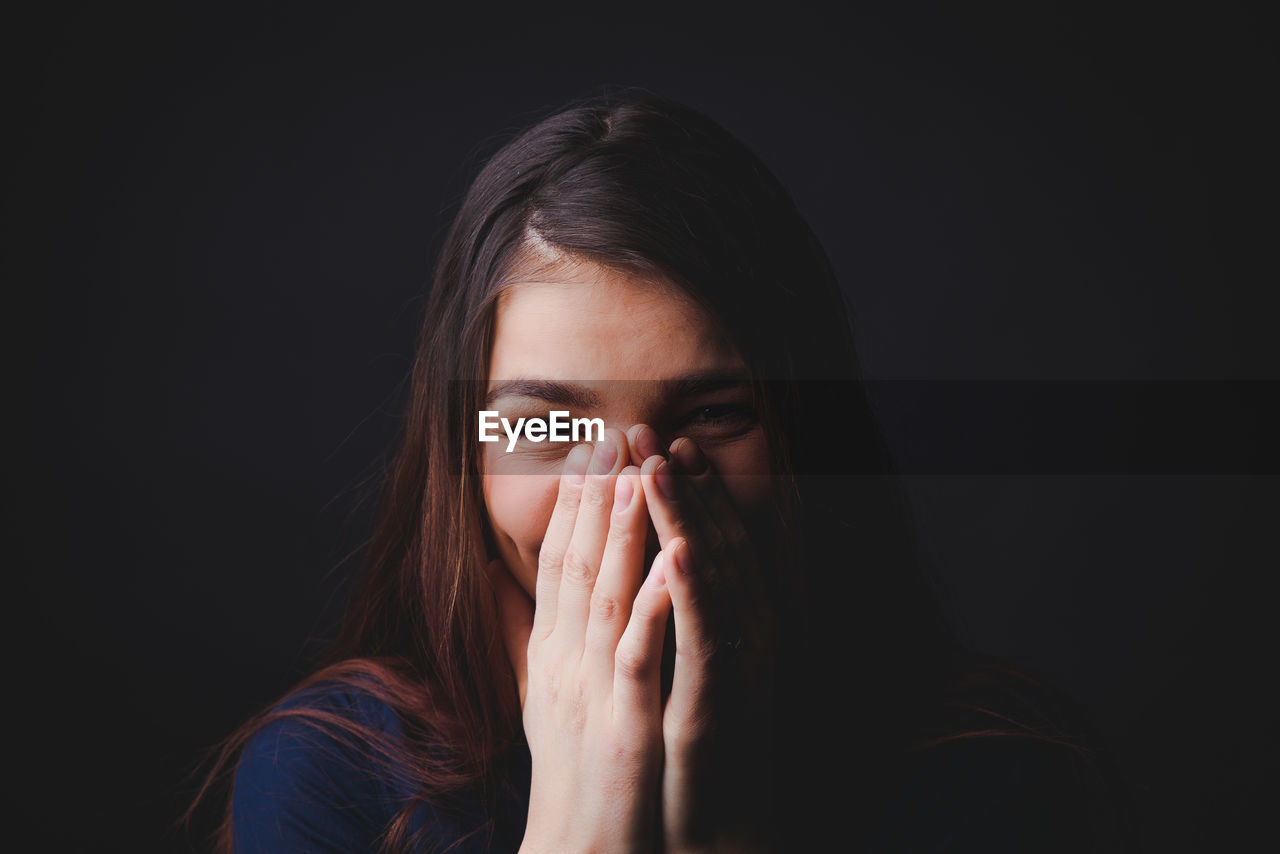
219,226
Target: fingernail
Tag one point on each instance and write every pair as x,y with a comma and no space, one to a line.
647,443
575,465
622,492
691,457
666,483
606,454
680,557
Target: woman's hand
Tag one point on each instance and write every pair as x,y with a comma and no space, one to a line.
717,723
587,659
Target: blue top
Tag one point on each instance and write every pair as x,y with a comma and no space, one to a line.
299,790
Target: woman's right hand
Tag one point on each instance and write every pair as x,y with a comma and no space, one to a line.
587,657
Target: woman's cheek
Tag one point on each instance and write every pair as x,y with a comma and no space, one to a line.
745,471
520,508
752,494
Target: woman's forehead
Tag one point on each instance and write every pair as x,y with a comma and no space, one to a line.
596,324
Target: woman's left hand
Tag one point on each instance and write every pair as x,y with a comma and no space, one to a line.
717,726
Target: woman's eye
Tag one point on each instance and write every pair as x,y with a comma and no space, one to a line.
720,415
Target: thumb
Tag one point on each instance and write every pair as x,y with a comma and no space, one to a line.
515,611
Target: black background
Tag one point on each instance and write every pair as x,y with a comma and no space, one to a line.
220,224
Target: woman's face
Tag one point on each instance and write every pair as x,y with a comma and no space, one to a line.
641,353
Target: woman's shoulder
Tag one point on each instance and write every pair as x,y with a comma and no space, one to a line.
320,716
337,766
308,777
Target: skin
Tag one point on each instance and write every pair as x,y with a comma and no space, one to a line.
589,325
594,554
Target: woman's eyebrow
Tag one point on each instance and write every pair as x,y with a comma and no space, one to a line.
703,382
577,396
572,395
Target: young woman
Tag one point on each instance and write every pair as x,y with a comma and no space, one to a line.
705,629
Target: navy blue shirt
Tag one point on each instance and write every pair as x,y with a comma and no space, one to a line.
299,790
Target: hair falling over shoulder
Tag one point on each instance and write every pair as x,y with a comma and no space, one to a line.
633,182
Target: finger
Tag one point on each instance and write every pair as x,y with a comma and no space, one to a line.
644,443
637,661
747,601
692,542
678,511
582,556
556,540
515,611
740,565
695,644
621,573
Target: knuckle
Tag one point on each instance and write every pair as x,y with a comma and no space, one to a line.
621,537
605,607
594,496
644,609
550,559
633,759
621,749
578,568
630,663
567,497
549,683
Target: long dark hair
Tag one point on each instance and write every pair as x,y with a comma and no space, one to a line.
635,182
